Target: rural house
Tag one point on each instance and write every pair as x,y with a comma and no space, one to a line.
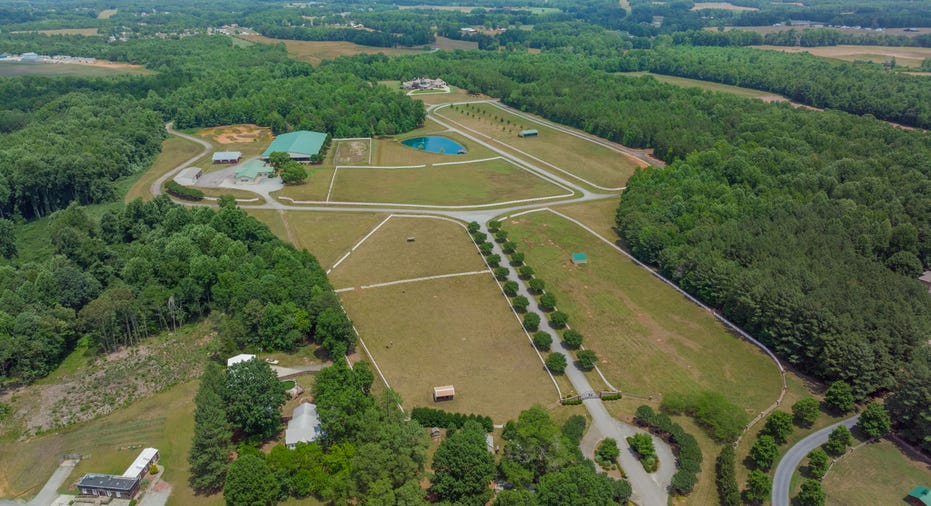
304,426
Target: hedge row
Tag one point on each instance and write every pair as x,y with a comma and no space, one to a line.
182,192
686,446
429,417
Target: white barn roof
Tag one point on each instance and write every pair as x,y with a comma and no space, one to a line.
243,357
141,463
188,176
221,156
304,426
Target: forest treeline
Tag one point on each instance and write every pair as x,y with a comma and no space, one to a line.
811,37
154,266
806,228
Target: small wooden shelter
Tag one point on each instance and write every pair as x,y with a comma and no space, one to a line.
444,393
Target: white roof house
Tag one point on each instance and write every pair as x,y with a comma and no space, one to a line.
139,466
188,176
304,426
243,357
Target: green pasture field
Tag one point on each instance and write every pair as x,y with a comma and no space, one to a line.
440,247
390,152
705,85
650,339
175,150
581,158
487,182
595,214
455,331
877,473
314,188
12,69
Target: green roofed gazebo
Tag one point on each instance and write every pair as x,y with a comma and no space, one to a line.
920,495
300,145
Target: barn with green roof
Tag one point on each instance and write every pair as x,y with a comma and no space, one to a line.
301,145
920,496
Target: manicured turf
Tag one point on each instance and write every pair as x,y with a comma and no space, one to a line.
585,159
9,69
877,473
596,214
487,182
175,150
457,331
314,52
440,247
649,338
705,85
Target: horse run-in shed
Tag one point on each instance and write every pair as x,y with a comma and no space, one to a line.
444,393
579,258
528,133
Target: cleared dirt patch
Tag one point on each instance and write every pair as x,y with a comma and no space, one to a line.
314,52
354,152
439,247
457,331
233,134
650,340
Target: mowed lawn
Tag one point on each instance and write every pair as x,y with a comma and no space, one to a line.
487,182
439,247
455,331
175,151
650,339
584,159
877,473
595,214
164,421
314,52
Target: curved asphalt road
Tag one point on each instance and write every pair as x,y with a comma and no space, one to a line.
156,187
794,456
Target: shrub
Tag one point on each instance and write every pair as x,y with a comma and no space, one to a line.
607,453
501,236
510,288
874,421
542,340
572,339
494,226
759,487
587,359
764,452
509,247
501,273
548,301
839,396
683,482
726,477
183,192
520,303
531,321
536,285
812,494
574,429
805,412
525,271
558,319
493,260
479,237
643,445
723,420
779,426
556,363
429,417
474,227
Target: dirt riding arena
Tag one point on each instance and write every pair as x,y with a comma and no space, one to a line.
352,152
236,134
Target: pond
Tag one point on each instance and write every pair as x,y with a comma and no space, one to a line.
435,144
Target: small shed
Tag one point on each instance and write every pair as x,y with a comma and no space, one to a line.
925,279
579,258
528,133
443,393
227,157
920,496
189,176
242,357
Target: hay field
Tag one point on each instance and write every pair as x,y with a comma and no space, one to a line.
314,52
12,69
705,85
440,247
579,157
457,331
904,56
106,13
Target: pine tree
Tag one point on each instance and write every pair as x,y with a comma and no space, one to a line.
212,434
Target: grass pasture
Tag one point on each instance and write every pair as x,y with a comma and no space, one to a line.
314,52
457,331
352,152
595,214
904,56
175,150
13,68
650,339
390,152
328,235
705,85
579,157
477,183
441,247
876,473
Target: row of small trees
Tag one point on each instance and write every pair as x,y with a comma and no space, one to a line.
685,445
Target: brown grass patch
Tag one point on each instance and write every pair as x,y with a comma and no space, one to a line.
87,32
721,5
354,152
457,331
314,52
440,247
106,13
905,56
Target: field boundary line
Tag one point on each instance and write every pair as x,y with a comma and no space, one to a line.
332,183
727,323
415,280
467,161
382,166
428,206
344,257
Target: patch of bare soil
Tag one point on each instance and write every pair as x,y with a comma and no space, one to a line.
235,134
352,152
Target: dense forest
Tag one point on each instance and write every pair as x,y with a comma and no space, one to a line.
155,266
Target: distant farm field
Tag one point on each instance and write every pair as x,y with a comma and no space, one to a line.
106,13
12,69
904,56
474,183
877,473
88,32
576,156
650,339
314,52
455,331
439,247
721,5
705,85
